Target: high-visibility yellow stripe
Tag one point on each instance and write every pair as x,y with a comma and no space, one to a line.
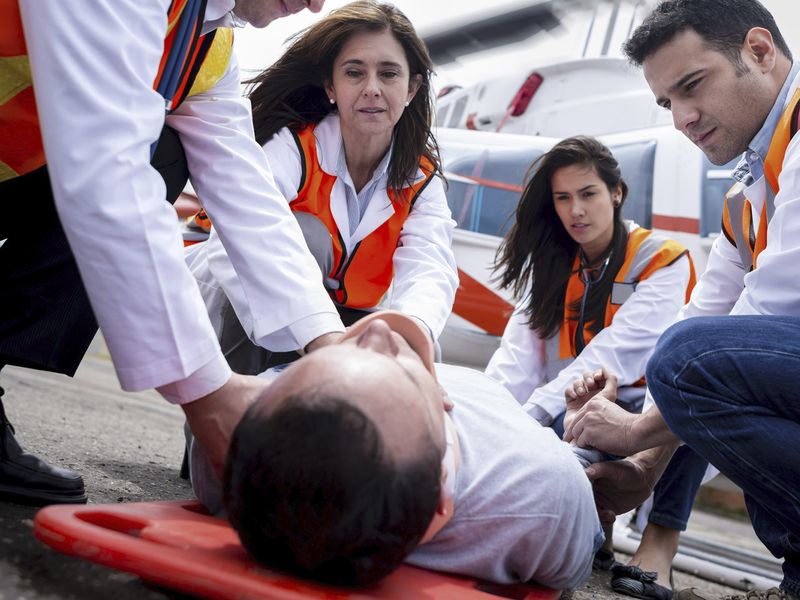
6,172
15,76
215,63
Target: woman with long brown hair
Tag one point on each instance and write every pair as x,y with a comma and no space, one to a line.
344,118
594,291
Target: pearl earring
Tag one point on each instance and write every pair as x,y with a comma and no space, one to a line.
331,100
406,103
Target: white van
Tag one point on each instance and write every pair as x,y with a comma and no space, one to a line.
594,96
673,189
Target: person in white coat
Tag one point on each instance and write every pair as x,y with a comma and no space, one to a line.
594,290
344,117
87,231
724,378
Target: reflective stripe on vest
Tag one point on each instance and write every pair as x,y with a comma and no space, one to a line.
361,278
186,68
737,212
646,253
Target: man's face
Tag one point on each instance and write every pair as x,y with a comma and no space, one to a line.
260,13
716,107
379,371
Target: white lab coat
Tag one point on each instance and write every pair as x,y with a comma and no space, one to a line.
93,66
425,273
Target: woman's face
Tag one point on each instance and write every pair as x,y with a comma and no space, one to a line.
371,84
585,206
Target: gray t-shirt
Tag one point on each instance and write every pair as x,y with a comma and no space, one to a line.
524,509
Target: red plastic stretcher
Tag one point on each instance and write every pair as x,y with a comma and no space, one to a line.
178,545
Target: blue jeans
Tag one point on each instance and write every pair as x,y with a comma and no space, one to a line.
674,493
729,387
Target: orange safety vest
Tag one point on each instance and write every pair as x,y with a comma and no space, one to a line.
361,278
195,65
646,253
737,212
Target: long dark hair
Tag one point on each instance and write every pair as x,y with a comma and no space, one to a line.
538,253
291,92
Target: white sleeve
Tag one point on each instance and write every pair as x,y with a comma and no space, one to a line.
625,345
283,157
93,64
519,363
774,288
273,281
716,291
425,273
720,284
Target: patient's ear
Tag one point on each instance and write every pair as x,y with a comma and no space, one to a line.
444,511
445,505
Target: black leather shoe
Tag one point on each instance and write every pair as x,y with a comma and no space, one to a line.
27,480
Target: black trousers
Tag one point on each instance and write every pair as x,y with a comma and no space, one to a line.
46,320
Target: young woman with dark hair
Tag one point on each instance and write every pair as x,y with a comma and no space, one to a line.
594,291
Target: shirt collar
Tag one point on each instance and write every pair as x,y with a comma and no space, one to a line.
380,170
219,13
759,146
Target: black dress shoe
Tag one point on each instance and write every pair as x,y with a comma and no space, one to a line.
27,480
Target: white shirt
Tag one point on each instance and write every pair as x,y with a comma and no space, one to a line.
624,346
93,66
425,272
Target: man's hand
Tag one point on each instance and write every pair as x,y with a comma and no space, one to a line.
622,485
213,418
604,426
619,486
326,339
601,383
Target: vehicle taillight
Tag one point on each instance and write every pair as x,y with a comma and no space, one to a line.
447,89
524,95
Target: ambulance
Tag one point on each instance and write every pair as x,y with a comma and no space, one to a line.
594,96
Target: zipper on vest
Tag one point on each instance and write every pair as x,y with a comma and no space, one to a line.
340,275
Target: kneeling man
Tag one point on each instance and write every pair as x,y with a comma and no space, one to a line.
363,454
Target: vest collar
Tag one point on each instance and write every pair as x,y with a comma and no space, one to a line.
758,148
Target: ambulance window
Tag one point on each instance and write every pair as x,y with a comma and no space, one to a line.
717,182
442,111
457,114
484,205
636,162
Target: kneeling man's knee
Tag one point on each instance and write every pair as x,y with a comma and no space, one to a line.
678,346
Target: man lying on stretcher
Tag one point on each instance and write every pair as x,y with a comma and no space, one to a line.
362,455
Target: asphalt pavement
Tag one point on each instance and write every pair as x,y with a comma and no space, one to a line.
128,447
